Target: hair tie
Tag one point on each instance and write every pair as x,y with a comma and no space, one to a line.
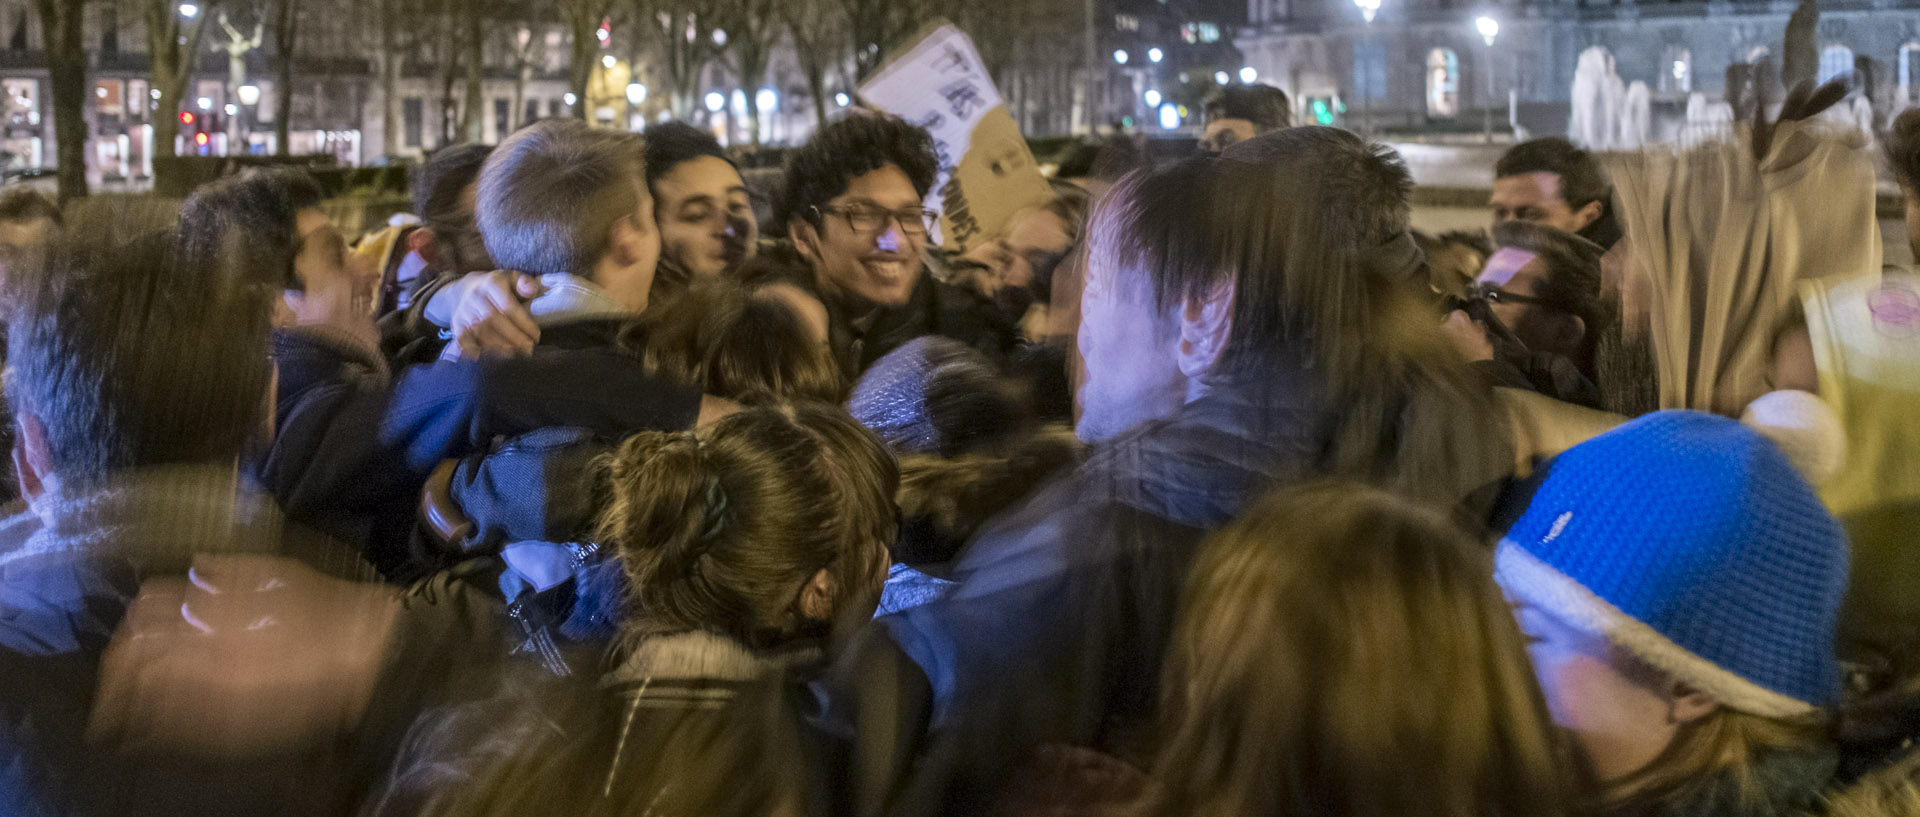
715,520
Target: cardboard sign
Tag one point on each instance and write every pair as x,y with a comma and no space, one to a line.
987,173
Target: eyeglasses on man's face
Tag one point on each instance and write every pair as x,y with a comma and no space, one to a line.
867,219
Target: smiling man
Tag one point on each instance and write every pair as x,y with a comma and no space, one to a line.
854,207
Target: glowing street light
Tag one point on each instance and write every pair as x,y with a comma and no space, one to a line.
232,109
1368,8
1169,116
205,103
715,101
1248,75
609,62
1155,55
1120,56
841,99
1153,97
636,93
1489,28
767,99
1220,78
720,37
249,94
570,99
189,10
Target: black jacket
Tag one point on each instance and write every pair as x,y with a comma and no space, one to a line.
352,448
934,308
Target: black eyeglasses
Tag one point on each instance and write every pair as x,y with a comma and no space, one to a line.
1495,295
868,220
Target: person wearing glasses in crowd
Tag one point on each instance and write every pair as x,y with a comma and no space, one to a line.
1534,316
853,207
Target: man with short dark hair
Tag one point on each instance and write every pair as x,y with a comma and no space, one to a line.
707,226
445,242
854,207
1237,113
1551,182
1535,313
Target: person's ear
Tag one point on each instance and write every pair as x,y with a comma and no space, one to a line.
817,597
623,244
1588,214
424,243
1569,330
1686,704
1205,327
32,458
805,238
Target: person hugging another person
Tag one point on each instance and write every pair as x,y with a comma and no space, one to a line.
707,227
745,544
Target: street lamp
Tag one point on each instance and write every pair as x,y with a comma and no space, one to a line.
609,62
249,94
1155,55
1220,78
767,99
1120,56
1489,28
570,99
841,99
189,10
1368,10
1169,117
206,103
715,101
636,93
1248,75
1153,98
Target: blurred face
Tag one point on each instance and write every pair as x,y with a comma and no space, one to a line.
1536,197
1130,350
866,249
1621,725
706,218
1035,243
323,262
1225,133
1512,272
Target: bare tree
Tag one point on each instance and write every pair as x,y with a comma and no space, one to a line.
582,19
680,35
173,43
816,27
66,55
753,29
877,25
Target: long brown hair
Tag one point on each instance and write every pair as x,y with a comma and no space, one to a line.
1343,652
718,529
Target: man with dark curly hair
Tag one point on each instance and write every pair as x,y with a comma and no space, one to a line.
854,207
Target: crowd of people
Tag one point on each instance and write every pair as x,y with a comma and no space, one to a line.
1207,487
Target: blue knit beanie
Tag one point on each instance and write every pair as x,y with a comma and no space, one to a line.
1689,540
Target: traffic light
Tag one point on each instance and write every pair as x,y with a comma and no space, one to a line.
186,117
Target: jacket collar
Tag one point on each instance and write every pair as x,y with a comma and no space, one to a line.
703,656
571,298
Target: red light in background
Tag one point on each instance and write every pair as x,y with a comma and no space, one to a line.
200,139
186,117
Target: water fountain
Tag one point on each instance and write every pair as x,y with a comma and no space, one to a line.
1599,100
